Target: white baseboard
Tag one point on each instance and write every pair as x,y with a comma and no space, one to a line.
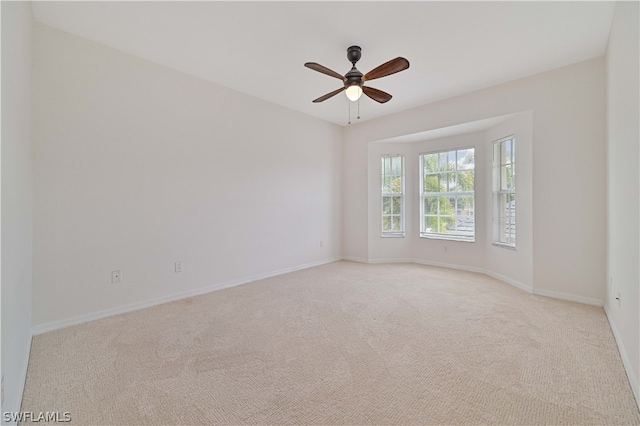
508,280
569,297
448,265
492,274
67,322
393,260
521,286
356,259
633,381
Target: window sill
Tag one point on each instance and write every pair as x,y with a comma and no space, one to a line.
503,245
397,235
439,237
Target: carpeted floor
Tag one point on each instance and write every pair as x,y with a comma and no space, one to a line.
343,343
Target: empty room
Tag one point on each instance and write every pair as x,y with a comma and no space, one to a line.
320,213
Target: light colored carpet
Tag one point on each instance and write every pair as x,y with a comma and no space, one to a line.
343,343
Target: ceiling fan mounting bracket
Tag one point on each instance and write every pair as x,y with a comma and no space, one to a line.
354,53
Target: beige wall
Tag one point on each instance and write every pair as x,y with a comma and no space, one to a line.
17,199
514,266
623,142
139,166
568,205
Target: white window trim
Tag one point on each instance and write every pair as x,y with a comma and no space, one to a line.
496,192
438,236
401,233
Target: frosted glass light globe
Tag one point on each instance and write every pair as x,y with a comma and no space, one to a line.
354,92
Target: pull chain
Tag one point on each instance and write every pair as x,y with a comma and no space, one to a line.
358,108
349,113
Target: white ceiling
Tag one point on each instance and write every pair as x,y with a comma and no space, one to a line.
259,48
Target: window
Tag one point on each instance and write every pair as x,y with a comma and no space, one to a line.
447,195
504,191
392,196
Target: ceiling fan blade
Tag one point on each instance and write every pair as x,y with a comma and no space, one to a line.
329,95
376,95
388,68
324,70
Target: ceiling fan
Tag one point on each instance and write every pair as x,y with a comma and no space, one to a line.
354,79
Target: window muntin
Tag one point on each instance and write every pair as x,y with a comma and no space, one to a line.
447,194
392,195
504,191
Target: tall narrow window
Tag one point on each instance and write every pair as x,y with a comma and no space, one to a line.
392,196
447,195
504,191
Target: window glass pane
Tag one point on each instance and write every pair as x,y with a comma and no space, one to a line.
464,206
465,180
507,218
513,175
513,151
386,205
396,165
386,184
451,160
505,156
508,182
447,224
466,159
510,208
502,204
430,163
431,224
396,184
397,205
452,203
451,181
431,183
396,223
445,205
465,225
442,161
386,223
430,205
442,182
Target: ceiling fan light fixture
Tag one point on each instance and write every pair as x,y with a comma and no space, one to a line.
353,92
353,80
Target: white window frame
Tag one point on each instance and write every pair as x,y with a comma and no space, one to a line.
399,233
452,194
504,217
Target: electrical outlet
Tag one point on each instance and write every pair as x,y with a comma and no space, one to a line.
178,266
116,277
